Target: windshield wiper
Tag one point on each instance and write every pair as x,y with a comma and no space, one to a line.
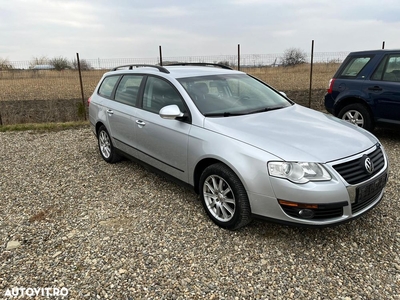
264,109
224,114
231,114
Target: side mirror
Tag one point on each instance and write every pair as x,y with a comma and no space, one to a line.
283,94
170,112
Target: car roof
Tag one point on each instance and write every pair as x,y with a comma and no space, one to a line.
194,71
374,51
181,71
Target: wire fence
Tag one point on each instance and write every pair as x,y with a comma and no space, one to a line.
245,60
40,93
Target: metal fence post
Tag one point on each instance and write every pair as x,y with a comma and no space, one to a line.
311,73
238,57
80,80
161,62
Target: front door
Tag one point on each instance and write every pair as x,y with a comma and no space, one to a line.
162,143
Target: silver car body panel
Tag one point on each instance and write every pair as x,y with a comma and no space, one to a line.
244,143
277,131
163,143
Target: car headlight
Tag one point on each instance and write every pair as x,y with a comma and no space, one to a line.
298,172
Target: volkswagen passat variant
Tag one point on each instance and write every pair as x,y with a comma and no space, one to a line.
248,150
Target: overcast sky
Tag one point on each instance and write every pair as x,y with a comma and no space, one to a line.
136,29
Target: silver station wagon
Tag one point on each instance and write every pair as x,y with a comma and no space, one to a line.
247,149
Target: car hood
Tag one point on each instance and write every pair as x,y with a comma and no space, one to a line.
295,133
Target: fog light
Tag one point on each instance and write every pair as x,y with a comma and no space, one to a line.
306,213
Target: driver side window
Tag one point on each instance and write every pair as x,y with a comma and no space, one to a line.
159,93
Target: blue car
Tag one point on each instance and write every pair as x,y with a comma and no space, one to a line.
365,90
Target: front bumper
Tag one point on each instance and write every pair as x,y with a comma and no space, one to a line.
322,203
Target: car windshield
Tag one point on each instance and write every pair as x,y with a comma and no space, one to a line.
230,95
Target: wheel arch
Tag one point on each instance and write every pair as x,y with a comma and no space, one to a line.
98,125
246,162
351,100
200,167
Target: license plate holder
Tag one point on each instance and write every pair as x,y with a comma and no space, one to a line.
365,192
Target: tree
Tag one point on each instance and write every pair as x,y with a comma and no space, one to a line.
225,63
85,65
5,64
293,57
38,61
60,63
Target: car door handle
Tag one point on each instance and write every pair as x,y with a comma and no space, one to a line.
109,111
140,123
375,88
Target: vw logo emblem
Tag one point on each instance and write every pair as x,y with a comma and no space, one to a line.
369,165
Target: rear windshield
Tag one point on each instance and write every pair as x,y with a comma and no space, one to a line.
354,66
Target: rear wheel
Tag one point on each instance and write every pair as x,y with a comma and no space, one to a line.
106,147
357,114
224,197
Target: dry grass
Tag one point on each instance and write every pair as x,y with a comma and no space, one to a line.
62,85
46,85
296,78
44,127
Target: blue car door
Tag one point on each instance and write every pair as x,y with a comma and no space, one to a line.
383,89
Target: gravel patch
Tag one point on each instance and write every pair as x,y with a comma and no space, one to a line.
70,220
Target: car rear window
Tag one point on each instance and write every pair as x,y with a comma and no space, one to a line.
354,66
107,86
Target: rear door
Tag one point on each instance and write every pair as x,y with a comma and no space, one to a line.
351,76
383,89
121,111
162,143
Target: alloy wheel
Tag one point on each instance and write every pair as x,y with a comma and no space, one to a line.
105,144
354,117
219,198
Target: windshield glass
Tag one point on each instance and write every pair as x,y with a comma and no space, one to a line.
228,95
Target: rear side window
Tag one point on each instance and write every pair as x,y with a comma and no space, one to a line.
354,66
388,69
128,89
107,86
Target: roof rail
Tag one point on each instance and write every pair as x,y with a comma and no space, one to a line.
200,64
130,67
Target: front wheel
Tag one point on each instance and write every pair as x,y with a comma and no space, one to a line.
224,197
106,147
357,114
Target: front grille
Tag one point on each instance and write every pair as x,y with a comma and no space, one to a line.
354,171
323,212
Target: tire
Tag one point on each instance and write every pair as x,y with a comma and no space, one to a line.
358,115
106,147
224,197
